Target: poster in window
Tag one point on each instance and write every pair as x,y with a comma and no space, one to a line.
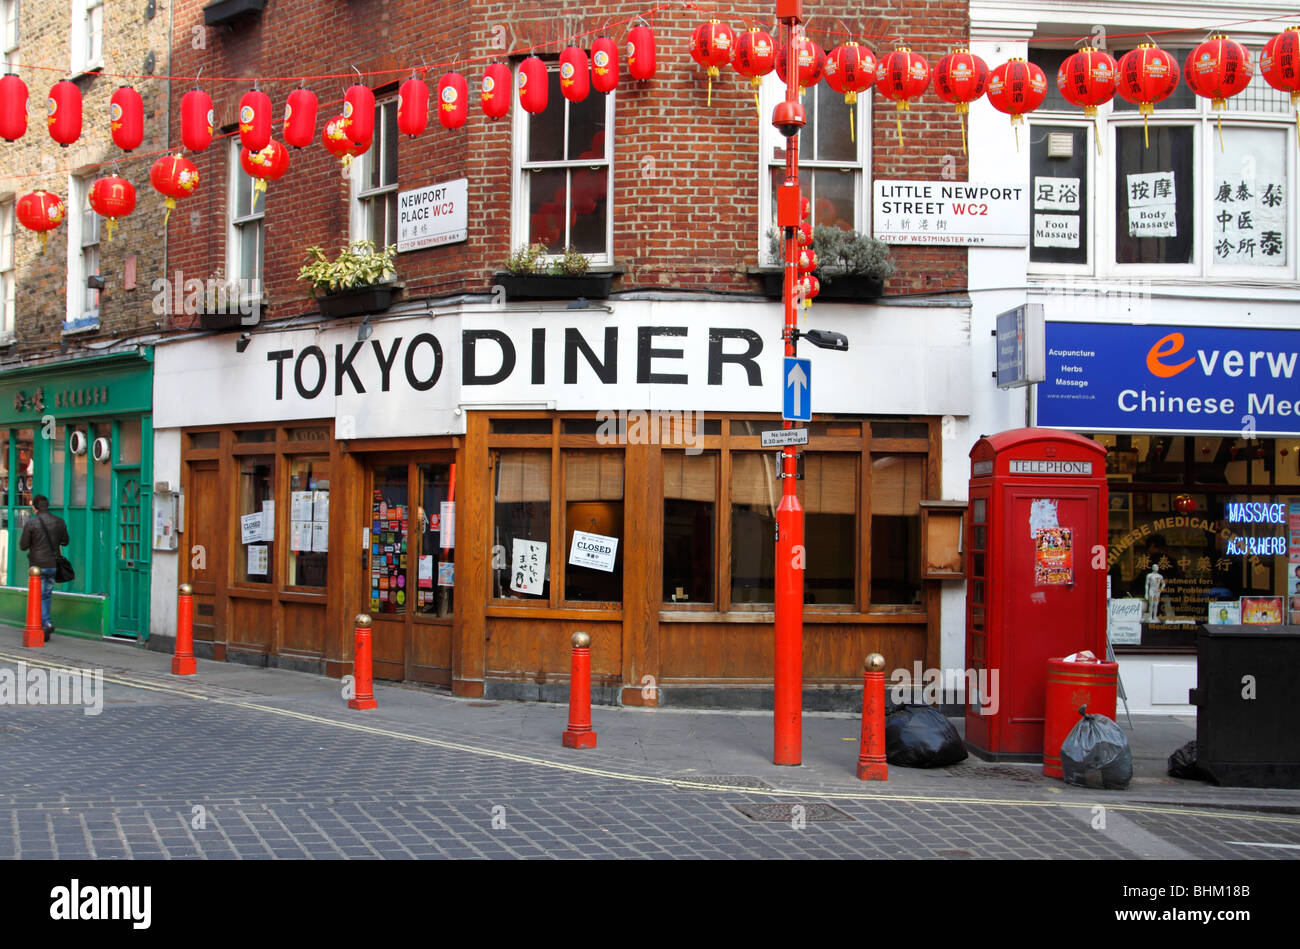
300,505
257,560
320,537
1261,610
1053,557
268,521
320,506
447,524
1293,527
424,573
300,536
1056,194
1151,204
1223,613
1124,620
446,574
1056,230
528,571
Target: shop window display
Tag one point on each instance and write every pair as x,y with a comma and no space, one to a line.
309,491
389,525
255,529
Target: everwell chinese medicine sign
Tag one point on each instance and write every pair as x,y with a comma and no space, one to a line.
1178,379
970,213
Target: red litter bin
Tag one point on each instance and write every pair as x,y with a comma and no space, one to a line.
1069,685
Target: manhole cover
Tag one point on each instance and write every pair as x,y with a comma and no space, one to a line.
955,854
785,813
995,771
725,781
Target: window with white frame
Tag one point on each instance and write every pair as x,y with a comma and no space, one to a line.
834,153
374,182
9,32
246,237
8,285
563,185
87,37
1184,196
83,257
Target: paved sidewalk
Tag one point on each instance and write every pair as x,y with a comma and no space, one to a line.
677,746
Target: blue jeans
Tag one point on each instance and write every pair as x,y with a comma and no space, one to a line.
47,593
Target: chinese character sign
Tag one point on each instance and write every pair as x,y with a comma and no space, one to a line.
1056,194
1249,200
1151,204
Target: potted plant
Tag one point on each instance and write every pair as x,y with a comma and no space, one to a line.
354,281
529,275
850,265
221,304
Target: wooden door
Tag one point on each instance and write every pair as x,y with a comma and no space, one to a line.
202,545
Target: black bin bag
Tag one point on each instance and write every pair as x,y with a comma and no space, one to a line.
918,736
1182,764
1096,754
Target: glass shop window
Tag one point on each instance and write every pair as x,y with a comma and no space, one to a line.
521,525
755,494
593,519
255,526
309,507
829,494
389,529
102,481
81,468
690,525
58,466
436,522
897,486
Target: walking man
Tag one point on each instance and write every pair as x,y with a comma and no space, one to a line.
42,537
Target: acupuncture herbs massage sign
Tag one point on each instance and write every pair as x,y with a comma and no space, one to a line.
1175,379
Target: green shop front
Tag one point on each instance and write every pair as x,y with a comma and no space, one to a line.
80,432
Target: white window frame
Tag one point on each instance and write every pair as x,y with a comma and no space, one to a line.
86,39
9,32
771,92
523,168
238,229
364,197
8,276
1204,123
83,256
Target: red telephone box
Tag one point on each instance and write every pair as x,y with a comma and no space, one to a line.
1036,528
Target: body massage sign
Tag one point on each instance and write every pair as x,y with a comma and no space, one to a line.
1176,379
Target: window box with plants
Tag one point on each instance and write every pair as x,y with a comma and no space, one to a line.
221,304
850,265
359,280
530,275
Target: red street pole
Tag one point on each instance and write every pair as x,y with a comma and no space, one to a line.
872,765
34,633
787,698
363,696
183,661
579,733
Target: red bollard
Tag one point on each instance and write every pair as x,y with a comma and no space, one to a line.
364,695
34,632
579,733
871,756
183,661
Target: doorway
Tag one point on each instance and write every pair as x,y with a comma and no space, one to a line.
410,569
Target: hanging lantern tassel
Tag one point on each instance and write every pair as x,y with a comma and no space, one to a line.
711,71
169,204
961,109
108,228
852,99
898,119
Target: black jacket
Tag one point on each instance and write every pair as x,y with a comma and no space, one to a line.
41,544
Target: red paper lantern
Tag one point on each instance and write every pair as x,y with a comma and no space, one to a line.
641,53
269,164
850,69
40,211
334,136
809,286
754,57
413,106
711,46
1017,87
1218,69
453,100
359,115
197,120
1088,79
803,234
1147,75
604,64
812,61
1184,504
806,262
494,93
174,177
575,74
960,78
126,117
13,107
1280,63
902,76
532,85
255,120
300,118
112,198
64,112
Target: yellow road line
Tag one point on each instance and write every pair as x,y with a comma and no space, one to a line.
687,784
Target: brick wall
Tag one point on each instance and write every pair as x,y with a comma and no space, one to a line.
37,161
691,223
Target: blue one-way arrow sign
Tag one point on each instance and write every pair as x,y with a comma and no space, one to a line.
797,403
